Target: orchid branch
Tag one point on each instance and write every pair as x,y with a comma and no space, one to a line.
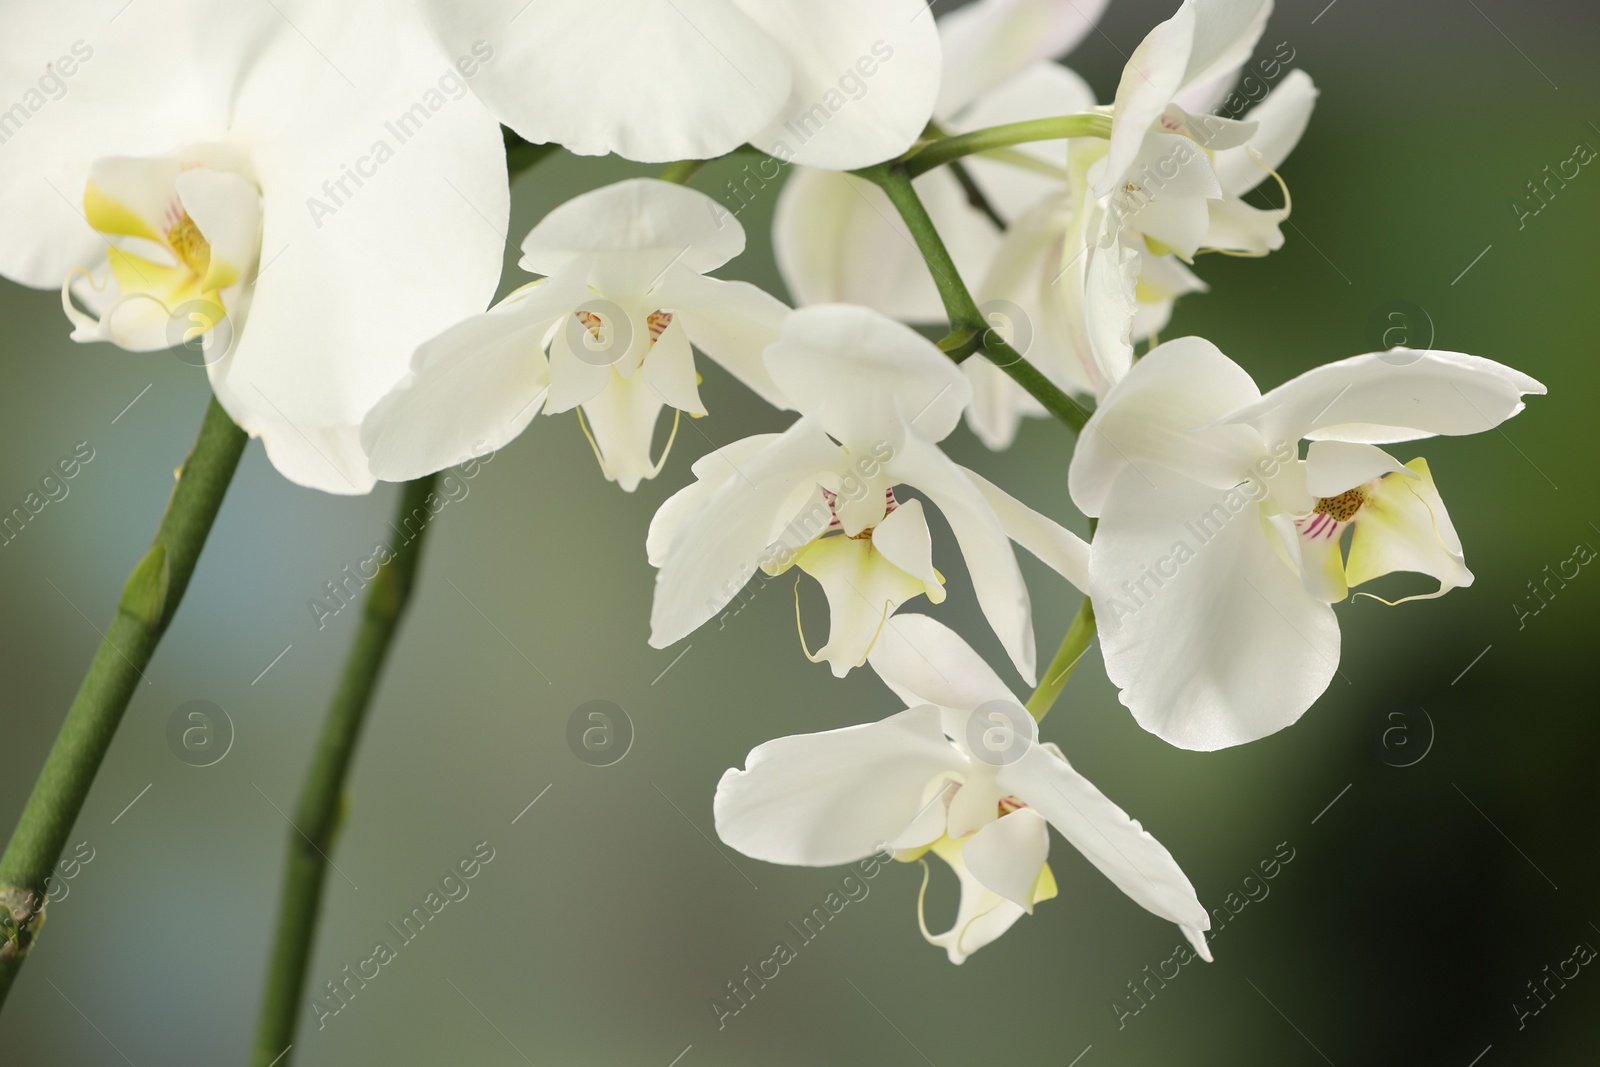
1080,635
927,155
320,806
963,312
149,600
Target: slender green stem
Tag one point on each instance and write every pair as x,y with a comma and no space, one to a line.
1079,636
149,599
683,171
318,810
523,155
975,194
963,312
959,306
1071,414
927,155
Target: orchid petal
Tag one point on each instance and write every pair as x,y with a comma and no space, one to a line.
867,579
1124,851
1149,416
866,378
982,915
470,390
622,419
1332,467
660,222
988,42
711,472
1403,526
718,548
691,79
732,322
226,210
925,662
889,49
1152,76
833,797
1053,544
668,369
1204,627
1110,285
1281,119
326,458
1233,225
1006,855
1384,397
344,294
991,562
1225,33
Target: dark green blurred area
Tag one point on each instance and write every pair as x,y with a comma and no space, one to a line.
1415,908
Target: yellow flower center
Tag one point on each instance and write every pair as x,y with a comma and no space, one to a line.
190,246
1341,508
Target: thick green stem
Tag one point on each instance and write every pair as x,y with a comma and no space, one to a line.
1079,636
966,319
936,153
149,600
318,810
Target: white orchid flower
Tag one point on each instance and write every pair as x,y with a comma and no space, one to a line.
1218,548
1170,182
961,773
829,83
1175,73
1172,178
192,173
1185,190
875,397
623,297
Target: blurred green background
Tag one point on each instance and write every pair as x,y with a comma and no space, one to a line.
1415,908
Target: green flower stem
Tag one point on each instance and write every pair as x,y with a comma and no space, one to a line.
975,195
523,155
927,155
1079,636
683,171
319,808
966,320
149,600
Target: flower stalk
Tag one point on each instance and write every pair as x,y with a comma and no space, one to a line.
149,600
928,155
319,808
682,171
966,320
1080,635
